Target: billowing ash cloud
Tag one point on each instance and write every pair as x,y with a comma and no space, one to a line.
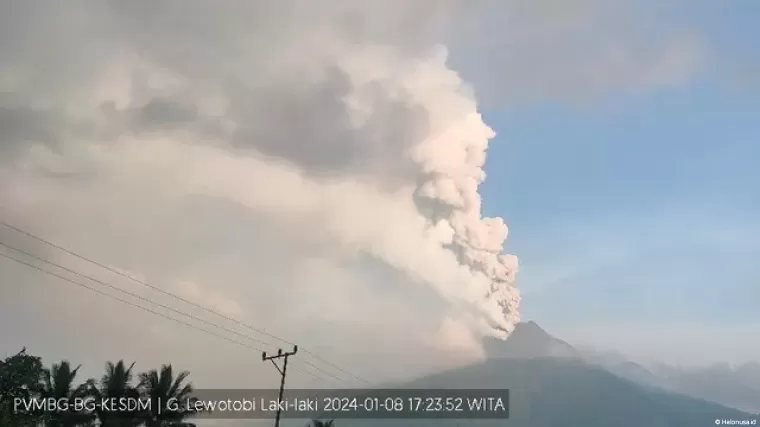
408,126
290,162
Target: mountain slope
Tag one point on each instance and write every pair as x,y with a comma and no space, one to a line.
565,392
527,341
734,387
624,368
737,387
553,384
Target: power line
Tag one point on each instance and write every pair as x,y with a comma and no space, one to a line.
125,301
172,295
82,285
116,288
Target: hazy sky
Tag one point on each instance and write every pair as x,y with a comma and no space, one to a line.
312,171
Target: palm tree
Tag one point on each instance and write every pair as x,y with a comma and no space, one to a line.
162,387
116,383
58,384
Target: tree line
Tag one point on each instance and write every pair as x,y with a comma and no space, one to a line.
24,377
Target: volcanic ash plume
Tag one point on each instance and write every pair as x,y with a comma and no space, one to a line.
451,158
341,140
477,242
453,161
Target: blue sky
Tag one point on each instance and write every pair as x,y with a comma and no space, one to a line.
641,209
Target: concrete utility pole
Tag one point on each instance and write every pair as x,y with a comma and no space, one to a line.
282,372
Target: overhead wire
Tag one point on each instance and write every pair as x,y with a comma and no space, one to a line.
331,378
186,301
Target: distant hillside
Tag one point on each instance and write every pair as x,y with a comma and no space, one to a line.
565,392
737,387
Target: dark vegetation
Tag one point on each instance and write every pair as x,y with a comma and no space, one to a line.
23,377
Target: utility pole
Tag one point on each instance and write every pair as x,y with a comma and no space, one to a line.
283,372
